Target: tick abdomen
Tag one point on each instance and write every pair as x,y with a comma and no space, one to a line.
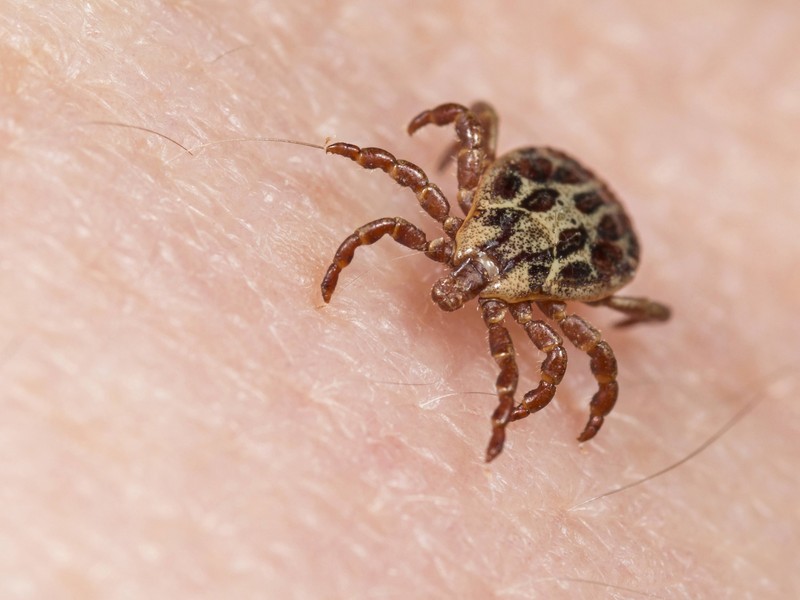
554,229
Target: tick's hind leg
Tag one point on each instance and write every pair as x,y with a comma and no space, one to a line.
602,362
553,366
502,349
401,231
638,310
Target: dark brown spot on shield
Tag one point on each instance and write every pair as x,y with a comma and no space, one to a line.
506,185
570,241
569,174
606,257
609,228
535,168
588,202
577,272
538,273
538,264
540,200
505,218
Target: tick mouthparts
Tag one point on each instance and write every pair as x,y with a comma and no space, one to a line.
446,294
462,285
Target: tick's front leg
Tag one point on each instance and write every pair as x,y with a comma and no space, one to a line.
407,174
477,134
487,117
401,231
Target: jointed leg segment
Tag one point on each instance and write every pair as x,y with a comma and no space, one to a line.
401,231
487,117
477,133
638,310
553,366
502,350
602,363
406,174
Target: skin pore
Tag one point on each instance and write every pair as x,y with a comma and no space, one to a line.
183,417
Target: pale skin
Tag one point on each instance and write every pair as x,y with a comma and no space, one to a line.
184,417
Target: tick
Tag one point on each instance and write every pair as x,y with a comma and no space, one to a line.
539,229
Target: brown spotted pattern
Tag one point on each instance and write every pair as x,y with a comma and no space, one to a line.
555,230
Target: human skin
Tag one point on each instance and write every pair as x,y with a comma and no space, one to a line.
183,417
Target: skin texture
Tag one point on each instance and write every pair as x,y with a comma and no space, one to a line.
183,418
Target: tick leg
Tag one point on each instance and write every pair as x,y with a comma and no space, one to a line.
602,362
406,174
476,133
502,349
401,231
638,310
488,118
554,364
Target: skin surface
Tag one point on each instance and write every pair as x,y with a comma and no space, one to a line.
183,418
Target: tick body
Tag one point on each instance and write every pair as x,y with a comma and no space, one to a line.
539,230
